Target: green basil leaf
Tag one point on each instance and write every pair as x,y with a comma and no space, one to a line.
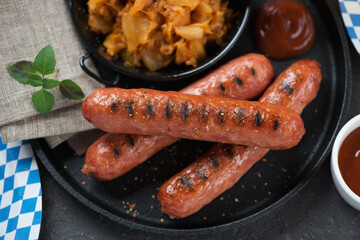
50,83
35,80
21,70
45,61
71,90
43,101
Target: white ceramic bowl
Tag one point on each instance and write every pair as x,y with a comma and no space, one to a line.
347,194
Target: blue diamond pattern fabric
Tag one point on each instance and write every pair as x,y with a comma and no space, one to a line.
350,12
20,192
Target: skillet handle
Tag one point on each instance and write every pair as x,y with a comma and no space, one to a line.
82,60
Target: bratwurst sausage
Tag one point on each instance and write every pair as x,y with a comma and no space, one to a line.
224,164
152,112
114,154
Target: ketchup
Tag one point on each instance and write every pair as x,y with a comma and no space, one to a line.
284,29
349,161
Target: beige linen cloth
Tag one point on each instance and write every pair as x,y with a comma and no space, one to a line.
25,28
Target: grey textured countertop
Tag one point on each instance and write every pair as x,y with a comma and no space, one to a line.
315,212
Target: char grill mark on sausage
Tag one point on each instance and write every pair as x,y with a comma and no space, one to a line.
222,88
168,111
258,118
185,112
214,162
238,80
116,152
204,114
229,151
130,139
202,174
113,107
287,87
149,109
276,123
240,116
186,181
252,71
221,116
130,107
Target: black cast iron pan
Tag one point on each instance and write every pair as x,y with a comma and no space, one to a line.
266,186
93,43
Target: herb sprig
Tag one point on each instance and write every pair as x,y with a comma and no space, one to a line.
38,74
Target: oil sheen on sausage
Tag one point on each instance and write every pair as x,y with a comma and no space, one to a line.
114,154
224,164
153,112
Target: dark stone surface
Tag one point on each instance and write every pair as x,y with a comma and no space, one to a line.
315,212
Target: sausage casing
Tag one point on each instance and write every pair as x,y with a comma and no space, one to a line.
114,154
224,164
152,112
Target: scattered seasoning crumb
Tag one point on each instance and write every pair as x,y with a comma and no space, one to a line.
236,200
197,131
265,183
223,214
242,186
283,169
155,168
264,160
134,214
83,182
254,187
65,167
153,196
255,201
151,206
135,178
161,220
204,218
259,174
154,179
316,110
269,193
221,198
231,214
125,189
133,205
127,211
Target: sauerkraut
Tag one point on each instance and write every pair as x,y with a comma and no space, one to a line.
153,33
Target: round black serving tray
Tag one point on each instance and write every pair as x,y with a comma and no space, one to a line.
268,184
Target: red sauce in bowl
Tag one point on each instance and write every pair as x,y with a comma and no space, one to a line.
284,29
349,161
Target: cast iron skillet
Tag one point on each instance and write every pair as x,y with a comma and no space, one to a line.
93,43
267,185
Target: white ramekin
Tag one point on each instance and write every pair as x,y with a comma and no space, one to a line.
346,193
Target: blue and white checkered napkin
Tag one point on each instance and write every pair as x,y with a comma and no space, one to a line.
20,192
350,11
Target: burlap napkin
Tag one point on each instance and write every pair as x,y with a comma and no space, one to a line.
26,27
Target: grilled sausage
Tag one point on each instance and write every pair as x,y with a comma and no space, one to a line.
115,154
152,112
224,164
